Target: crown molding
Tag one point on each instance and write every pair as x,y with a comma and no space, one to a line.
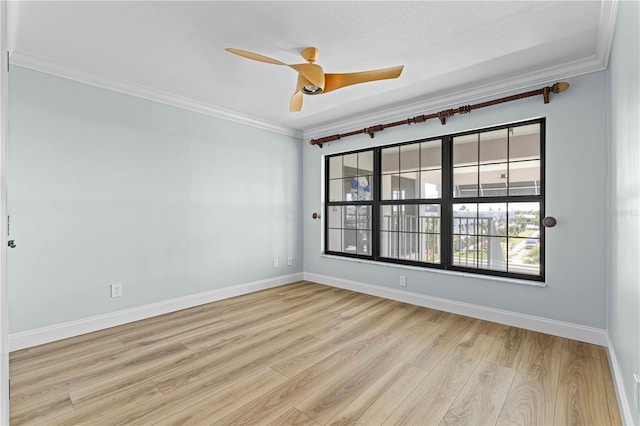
460,97
599,61
451,100
58,69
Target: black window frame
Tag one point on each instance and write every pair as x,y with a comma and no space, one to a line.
446,202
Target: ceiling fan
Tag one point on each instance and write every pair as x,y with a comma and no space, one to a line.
313,81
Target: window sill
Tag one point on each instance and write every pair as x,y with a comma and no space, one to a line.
439,271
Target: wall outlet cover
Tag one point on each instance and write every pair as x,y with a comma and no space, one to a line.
116,290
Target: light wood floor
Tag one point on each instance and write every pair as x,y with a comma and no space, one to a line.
311,354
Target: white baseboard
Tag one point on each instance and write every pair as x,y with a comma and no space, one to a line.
543,325
618,384
27,339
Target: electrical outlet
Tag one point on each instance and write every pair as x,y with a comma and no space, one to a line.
403,281
636,391
116,290
289,260
275,262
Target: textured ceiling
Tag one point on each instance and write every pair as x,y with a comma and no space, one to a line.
173,51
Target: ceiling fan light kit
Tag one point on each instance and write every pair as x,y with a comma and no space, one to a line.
311,77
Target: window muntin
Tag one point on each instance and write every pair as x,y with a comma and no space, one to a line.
350,189
351,177
410,232
412,171
471,202
497,236
497,163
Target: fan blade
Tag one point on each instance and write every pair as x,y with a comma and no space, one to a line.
338,81
295,104
254,56
312,72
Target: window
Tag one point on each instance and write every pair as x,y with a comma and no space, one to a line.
470,202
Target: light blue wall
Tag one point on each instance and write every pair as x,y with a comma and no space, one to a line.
107,188
576,152
624,197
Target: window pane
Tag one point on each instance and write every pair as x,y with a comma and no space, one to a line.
495,215
465,150
365,163
364,187
465,231
494,255
409,186
335,190
493,146
524,256
335,167
430,244
524,219
431,184
349,240
524,142
390,160
465,182
493,180
410,157
430,218
403,244
335,240
363,242
350,165
431,155
430,233
335,217
465,250
390,187
389,218
524,178
364,217
389,244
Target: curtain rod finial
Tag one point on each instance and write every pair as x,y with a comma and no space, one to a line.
560,87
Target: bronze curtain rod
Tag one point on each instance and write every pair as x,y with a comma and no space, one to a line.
442,115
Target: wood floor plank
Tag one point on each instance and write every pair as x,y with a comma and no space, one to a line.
532,397
205,386
257,350
507,349
431,399
297,388
582,349
504,422
293,417
385,307
481,398
377,402
225,400
581,392
336,394
612,403
32,392
62,357
362,329
99,409
438,343
310,354
41,413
